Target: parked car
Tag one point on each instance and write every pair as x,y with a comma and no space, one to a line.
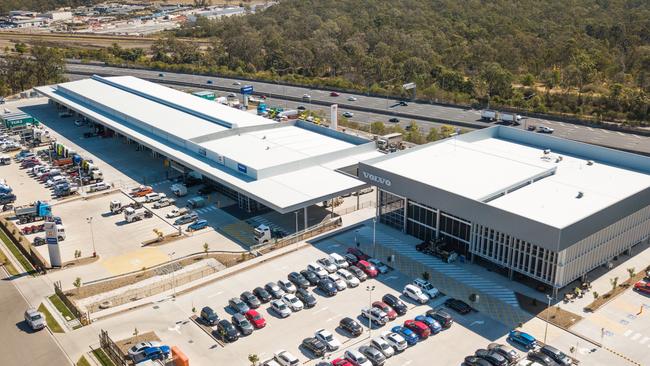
317,270
241,322
556,355
395,340
313,345
256,319
186,219
164,202
338,281
356,358
35,319
350,280
361,256
642,287
458,306
280,308
297,279
328,264
274,290
506,351
433,324
327,286
475,361
395,303
358,273
379,265
382,346
541,358
328,339
198,225
262,294
141,346
351,326
414,293
287,286
209,316
390,312
339,260
426,287
351,259
375,316
237,305
310,276
251,300
375,356
441,317
492,357
368,268
308,300
292,302
410,336
524,339
422,330
286,359
152,353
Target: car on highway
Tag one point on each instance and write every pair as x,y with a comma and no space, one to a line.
350,280
556,355
382,346
198,225
334,94
367,268
232,95
293,302
237,305
243,325
381,266
492,357
419,328
328,339
35,319
375,316
299,280
262,294
375,356
524,339
274,290
414,293
347,114
236,83
251,300
256,319
426,287
506,351
310,276
356,358
410,336
352,99
209,316
308,300
395,303
317,269
301,108
141,346
642,287
280,308
390,313
544,129
358,273
459,306
395,340
285,358
441,317
338,281
313,345
403,103
351,326
306,97
327,286
287,286
394,120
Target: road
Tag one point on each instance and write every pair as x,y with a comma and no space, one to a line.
370,109
18,344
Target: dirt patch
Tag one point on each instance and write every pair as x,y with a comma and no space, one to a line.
605,298
166,239
127,343
554,314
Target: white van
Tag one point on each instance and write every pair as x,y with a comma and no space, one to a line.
339,260
154,196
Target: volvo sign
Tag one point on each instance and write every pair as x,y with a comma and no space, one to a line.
377,179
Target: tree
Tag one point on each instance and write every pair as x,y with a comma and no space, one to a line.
433,134
77,284
595,295
378,128
498,80
253,359
413,133
614,283
631,271
206,248
20,47
528,80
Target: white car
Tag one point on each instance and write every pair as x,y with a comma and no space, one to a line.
352,99
395,340
292,302
56,180
306,97
545,129
375,315
176,212
138,348
280,308
328,264
348,114
328,339
356,358
338,281
349,279
339,260
426,287
414,293
98,187
317,269
381,267
384,347
287,286
285,358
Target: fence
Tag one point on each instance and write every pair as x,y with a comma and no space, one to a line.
347,210
82,316
299,236
111,349
24,246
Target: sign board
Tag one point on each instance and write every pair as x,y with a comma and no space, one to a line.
52,241
334,116
221,160
242,168
246,90
408,86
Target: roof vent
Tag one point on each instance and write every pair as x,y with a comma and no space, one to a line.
590,162
580,194
268,147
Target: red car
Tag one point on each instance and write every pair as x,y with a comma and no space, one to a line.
419,328
386,309
643,287
255,318
341,362
334,94
368,268
359,254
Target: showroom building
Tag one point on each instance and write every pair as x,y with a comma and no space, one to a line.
531,204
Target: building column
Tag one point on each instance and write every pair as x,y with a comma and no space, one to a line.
305,214
405,212
358,195
438,225
510,244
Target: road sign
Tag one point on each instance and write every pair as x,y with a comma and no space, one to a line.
53,241
408,86
246,89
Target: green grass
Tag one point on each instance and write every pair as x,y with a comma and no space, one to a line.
8,265
16,252
83,362
60,306
51,322
102,358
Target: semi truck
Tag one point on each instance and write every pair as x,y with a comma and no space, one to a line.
131,214
510,118
264,234
390,142
37,211
489,115
117,206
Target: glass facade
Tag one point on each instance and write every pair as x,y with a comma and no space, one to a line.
391,210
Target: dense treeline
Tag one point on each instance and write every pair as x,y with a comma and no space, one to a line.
40,5
587,57
23,70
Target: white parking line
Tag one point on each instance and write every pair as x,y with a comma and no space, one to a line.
321,310
215,295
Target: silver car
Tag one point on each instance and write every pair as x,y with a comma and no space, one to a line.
34,319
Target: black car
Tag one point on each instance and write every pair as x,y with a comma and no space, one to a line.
308,300
262,294
403,103
351,326
395,303
301,108
442,317
541,358
494,358
327,286
310,276
475,361
316,347
238,306
208,316
274,290
556,355
251,300
394,120
226,331
458,306
297,279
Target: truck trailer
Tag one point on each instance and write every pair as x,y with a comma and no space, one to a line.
489,115
37,211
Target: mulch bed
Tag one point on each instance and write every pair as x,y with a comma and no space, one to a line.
604,298
554,314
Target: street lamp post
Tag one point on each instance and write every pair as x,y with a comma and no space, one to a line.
547,316
171,257
89,220
370,289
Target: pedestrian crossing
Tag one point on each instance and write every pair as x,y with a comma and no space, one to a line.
206,209
637,337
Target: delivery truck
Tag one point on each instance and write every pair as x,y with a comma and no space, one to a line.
37,211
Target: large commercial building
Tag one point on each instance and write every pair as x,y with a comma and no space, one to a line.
546,208
256,161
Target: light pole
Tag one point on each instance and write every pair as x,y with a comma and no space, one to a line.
547,316
89,220
171,258
370,289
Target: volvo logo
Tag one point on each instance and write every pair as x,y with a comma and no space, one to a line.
377,179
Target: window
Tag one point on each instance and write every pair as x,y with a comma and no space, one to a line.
391,210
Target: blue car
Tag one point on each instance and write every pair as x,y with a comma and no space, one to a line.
430,322
152,353
410,337
198,225
524,339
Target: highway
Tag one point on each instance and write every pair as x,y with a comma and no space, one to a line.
370,109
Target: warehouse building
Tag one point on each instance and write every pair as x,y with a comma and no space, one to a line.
530,205
258,162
